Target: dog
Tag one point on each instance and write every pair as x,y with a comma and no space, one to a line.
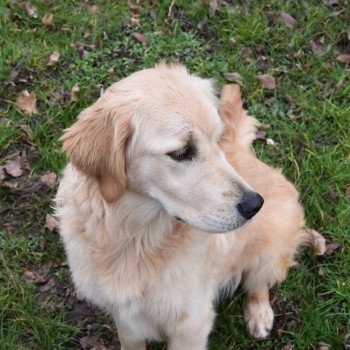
164,205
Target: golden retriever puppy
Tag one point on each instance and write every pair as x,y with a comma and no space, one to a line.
162,206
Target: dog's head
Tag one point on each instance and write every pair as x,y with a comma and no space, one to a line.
158,132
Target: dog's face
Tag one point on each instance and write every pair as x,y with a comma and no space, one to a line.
167,131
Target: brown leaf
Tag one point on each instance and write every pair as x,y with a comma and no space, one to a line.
214,6
91,342
343,58
287,20
49,179
260,135
135,9
2,173
288,346
347,192
48,20
268,81
140,37
202,23
323,346
92,9
74,91
39,275
51,223
31,10
331,248
340,84
232,40
111,72
10,184
53,58
26,102
317,47
234,77
14,167
26,129
316,241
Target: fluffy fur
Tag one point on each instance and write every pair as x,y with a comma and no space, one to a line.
119,196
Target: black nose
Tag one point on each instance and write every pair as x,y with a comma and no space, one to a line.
251,203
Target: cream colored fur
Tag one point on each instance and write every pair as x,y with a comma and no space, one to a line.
117,201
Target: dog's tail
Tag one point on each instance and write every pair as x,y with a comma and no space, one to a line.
240,129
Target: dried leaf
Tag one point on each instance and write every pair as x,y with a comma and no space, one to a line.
40,275
232,40
26,129
140,37
91,342
343,58
288,346
74,91
316,241
214,6
317,47
49,179
331,248
287,20
26,102
347,192
48,20
111,72
135,9
260,135
268,81
51,223
323,346
53,58
2,173
340,84
202,23
31,10
234,77
14,167
10,184
330,2
92,9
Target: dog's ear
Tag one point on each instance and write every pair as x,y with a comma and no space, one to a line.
95,144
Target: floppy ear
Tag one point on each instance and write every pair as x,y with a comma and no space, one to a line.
95,145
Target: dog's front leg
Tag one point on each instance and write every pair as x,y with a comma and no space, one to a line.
258,312
191,333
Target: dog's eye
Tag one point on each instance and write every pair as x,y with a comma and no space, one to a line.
185,153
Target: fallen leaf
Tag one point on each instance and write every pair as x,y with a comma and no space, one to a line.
260,135
10,184
343,58
323,346
135,9
340,84
214,6
268,81
92,9
347,192
14,167
91,342
39,275
288,346
288,20
31,10
49,179
26,129
48,20
316,241
317,47
2,173
140,37
74,91
232,40
330,2
26,102
331,248
111,71
202,23
294,117
51,223
234,77
53,58
321,272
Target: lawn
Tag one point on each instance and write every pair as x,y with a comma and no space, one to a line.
67,59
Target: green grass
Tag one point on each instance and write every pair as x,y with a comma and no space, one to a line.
313,150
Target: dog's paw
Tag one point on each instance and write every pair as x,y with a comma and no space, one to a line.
259,317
